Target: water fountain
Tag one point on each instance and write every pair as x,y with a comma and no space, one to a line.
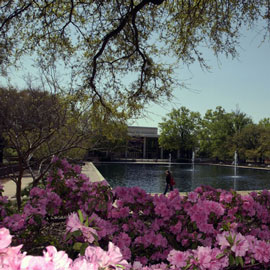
193,160
235,162
151,177
235,169
170,160
193,170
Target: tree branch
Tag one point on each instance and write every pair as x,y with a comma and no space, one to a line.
111,35
16,13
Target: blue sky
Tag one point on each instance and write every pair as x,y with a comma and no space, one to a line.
242,83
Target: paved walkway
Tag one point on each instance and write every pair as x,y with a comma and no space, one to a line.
92,172
88,169
10,186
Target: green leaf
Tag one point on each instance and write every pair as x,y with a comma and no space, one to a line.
121,266
230,239
239,260
220,255
187,266
95,236
86,223
226,227
77,246
80,216
231,260
83,248
76,233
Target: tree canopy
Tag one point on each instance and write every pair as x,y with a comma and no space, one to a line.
216,135
179,131
105,44
36,125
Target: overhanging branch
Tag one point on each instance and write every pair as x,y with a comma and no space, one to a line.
111,35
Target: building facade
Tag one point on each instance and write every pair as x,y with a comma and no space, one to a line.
143,143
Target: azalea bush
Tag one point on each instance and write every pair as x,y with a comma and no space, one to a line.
207,229
11,258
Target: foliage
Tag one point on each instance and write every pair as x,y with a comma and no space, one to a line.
107,43
110,129
37,125
207,229
217,135
216,131
180,130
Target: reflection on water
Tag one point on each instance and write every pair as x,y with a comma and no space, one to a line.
152,177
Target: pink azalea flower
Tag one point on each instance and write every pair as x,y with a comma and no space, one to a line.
111,258
204,257
115,256
240,246
178,258
84,177
77,169
36,263
218,264
60,173
10,258
262,251
193,196
59,259
74,224
137,265
5,238
222,240
66,165
88,233
160,241
226,197
82,263
143,260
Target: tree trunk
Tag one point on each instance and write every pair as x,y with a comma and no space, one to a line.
19,189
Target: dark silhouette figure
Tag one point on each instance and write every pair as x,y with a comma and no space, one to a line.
168,182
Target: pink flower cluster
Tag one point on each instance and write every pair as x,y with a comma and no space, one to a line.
207,229
246,247
203,258
3,204
74,224
95,258
76,191
10,257
41,203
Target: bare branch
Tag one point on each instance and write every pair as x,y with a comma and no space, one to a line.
111,35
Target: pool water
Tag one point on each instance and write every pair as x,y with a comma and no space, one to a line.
151,177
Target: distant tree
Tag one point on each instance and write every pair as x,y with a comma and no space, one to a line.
110,131
2,145
37,125
254,142
107,43
179,131
264,140
265,122
215,133
220,133
249,142
239,120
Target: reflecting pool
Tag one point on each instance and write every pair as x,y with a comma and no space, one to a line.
151,177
